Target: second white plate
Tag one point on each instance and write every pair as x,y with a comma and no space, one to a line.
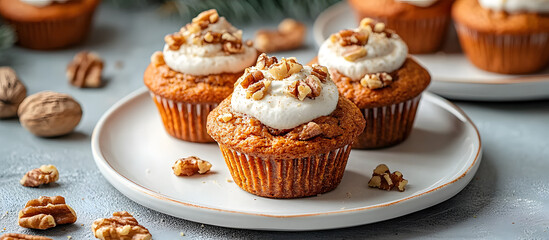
453,75
135,154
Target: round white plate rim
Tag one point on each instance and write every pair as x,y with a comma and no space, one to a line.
443,84
134,191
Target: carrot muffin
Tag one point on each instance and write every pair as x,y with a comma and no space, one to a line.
421,23
285,132
510,37
49,24
195,72
371,67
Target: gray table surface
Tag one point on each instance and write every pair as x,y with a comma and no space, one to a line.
508,197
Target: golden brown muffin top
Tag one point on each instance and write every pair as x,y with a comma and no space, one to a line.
392,8
248,135
408,82
178,86
471,14
20,11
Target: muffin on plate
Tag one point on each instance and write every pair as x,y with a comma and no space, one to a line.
49,24
510,37
195,72
285,132
421,23
371,67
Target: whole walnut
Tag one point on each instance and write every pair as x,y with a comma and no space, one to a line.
49,114
12,92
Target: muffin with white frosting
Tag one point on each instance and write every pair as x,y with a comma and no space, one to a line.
195,72
504,36
371,67
421,23
49,24
285,132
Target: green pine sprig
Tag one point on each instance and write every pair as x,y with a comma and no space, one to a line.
7,37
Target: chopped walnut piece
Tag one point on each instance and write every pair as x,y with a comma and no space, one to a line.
285,68
366,22
310,130
258,90
376,80
121,225
264,61
46,212
157,59
314,83
321,72
350,37
232,47
210,16
43,175
352,53
382,178
379,27
175,40
309,87
20,236
85,70
250,78
225,117
191,165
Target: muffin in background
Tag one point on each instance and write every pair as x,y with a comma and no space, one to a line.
285,132
422,24
49,24
195,72
510,37
371,67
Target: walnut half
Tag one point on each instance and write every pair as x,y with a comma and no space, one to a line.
12,92
382,178
85,70
20,236
43,175
46,212
121,225
190,166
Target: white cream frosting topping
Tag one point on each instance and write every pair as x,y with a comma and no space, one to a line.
279,110
208,59
419,3
384,54
513,6
43,3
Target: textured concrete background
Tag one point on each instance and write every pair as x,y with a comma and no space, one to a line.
508,198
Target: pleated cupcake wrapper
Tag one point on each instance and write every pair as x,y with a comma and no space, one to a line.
505,53
421,35
284,178
387,126
185,121
51,34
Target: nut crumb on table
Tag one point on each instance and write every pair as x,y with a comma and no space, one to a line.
382,178
39,176
190,166
20,236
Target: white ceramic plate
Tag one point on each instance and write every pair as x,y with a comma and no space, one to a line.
135,154
453,75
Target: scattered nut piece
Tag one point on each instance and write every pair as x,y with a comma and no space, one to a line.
379,27
191,165
352,53
376,80
174,41
264,61
210,16
157,59
49,114
20,236
12,92
46,212
225,117
321,72
43,175
121,225
310,130
350,38
290,35
285,68
85,70
382,178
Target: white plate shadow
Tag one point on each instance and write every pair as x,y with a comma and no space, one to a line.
453,75
135,154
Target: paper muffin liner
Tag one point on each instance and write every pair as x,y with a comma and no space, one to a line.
388,125
505,53
421,35
185,121
51,34
287,178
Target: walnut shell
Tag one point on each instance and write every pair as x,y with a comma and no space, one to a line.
12,92
49,114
